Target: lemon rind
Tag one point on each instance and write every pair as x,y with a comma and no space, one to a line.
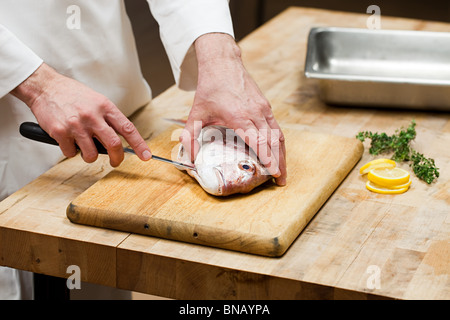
385,190
377,163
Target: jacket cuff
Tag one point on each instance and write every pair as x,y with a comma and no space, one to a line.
17,61
181,24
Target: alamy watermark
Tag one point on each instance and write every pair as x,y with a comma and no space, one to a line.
74,280
374,280
73,21
374,21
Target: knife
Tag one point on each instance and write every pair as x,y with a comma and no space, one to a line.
34,132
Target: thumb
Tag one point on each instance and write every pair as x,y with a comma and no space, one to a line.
189,136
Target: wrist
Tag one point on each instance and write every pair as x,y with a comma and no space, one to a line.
32,87
212,47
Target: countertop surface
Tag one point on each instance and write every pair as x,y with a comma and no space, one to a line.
360,245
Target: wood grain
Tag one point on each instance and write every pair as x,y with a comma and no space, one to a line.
159,200
36,236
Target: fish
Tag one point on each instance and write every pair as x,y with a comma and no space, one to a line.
225,164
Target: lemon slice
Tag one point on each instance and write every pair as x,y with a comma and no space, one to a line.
388,177
380,189
377,163
401,186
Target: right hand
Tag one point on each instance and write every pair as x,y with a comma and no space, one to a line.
227,95
71,113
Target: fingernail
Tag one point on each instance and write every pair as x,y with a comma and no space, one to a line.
146,155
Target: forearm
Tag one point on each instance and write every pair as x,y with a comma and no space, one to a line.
219,59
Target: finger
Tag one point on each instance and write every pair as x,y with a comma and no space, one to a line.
279,150
88,150
111,141
189,136
74,133
67,146
278,139
126,129
65,141
269,148
257,139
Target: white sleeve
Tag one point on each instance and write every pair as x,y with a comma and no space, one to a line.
181,22
17,61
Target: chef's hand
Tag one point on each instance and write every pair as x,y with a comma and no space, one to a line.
70,113
227,95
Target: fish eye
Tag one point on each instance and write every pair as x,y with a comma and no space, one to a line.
246,166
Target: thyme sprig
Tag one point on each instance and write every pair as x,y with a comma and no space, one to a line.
399,143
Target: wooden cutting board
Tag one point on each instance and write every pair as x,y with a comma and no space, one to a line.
157,199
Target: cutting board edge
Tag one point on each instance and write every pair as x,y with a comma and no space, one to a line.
270,245
294,230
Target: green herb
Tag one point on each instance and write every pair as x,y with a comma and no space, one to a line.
399,144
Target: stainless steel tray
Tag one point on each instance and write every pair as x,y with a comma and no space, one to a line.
380,67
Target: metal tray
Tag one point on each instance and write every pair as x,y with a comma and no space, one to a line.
391,68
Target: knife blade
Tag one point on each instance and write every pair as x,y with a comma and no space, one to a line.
34,132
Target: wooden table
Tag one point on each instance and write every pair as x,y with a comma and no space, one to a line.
360,244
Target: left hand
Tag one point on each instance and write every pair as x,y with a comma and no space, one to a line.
227,95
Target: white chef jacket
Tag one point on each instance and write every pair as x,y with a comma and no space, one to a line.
92,42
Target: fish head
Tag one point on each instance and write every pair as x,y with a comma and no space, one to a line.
239,177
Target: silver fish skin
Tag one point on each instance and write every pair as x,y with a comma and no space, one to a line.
224,164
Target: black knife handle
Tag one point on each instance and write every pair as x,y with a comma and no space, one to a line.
34,132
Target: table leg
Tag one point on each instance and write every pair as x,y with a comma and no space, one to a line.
50,288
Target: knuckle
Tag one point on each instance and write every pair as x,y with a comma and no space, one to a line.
270,117
107,104
58,132
244,124
73,121
141,145
86,116
264,104
261,140
276,136
114,143
275,142
128,127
